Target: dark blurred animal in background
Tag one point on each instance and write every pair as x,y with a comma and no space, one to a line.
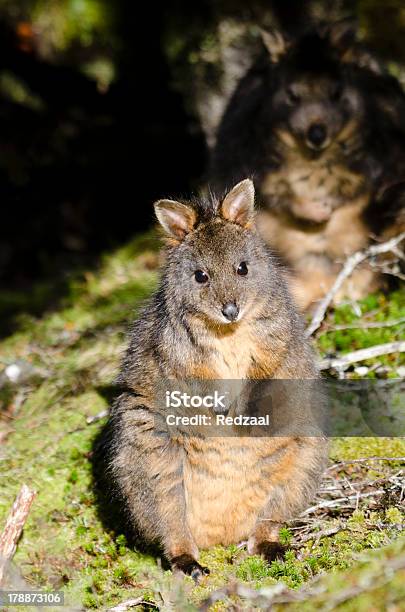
320,126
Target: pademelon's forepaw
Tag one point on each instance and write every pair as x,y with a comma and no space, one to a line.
188,565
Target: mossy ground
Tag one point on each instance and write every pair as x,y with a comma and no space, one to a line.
46,443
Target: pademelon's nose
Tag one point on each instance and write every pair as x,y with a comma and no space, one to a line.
316,134
230,311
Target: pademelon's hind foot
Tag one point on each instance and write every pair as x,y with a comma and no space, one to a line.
188,565
266,541
271,551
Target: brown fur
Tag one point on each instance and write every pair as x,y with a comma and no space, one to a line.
303,182
319,124
315,255
192,488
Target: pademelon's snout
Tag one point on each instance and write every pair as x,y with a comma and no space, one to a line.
317,135
230,311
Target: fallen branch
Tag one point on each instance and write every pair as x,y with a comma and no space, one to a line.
335,503
317,535
394,270
361,355
351,263
132,603
14,526
364,325
97,417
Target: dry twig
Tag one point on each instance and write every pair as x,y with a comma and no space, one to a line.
97,417
317,535
351,263
14,526
364,325
361,355
132,603
334,503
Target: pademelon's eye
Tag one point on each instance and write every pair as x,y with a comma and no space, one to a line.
242,268
201,276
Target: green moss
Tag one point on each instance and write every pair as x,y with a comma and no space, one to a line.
253,569
285,536
368,585
373,309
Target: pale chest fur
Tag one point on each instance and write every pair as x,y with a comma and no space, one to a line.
223,354
316,255
227,483
341,236
303,180
231,355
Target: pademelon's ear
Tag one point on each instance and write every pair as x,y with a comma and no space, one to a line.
276,44
238,205
177,219
341,34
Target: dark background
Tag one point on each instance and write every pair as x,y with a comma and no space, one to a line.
83,155
79,173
